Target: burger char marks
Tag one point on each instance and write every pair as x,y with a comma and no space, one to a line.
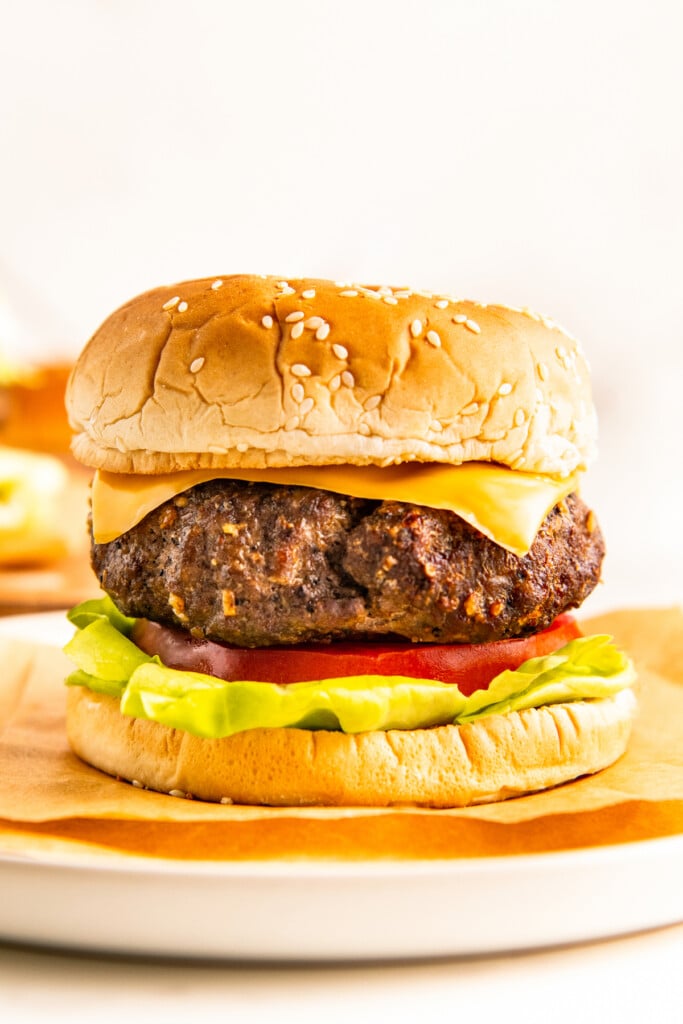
257,564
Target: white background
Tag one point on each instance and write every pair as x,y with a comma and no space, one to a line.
528,152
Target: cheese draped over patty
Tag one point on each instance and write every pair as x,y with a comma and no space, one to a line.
506,506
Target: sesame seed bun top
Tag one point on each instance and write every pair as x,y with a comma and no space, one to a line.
250,371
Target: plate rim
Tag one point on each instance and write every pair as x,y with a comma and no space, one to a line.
283,904
112,862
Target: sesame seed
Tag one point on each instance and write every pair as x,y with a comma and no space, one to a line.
297,330
287,291
416,328
350,293
405,293
292,423
561,353
171,302
542,371
314,322
473,326
520,417
267,321
470,409
308,294
242,447
442,304
306,406
340,352
217,284
196,364
301,370
182,306
434,339
461,318
390,300
298,392
138,785
348,379
363,428
322,332
436,426
505,389
335,383
226,800
293,318
177,792
372,402
283,284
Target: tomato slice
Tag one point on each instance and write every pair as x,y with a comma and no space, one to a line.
470,666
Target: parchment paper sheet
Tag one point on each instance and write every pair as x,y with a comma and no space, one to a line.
48,798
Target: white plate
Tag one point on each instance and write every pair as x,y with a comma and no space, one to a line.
317,911
43,628
335,912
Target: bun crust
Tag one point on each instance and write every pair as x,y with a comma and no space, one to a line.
251,371
451,766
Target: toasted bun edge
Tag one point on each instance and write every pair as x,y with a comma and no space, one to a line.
491,759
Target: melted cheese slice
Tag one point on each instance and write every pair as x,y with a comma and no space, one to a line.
504,505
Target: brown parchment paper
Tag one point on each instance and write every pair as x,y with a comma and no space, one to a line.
49,800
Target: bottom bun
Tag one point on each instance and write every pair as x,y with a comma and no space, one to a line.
448,766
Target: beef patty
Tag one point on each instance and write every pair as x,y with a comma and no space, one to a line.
260,564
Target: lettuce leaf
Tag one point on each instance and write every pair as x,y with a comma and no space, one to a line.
100,608
108,662
100,648
210,707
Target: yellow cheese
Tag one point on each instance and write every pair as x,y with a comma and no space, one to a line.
504,505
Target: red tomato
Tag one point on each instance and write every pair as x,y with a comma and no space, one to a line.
470,666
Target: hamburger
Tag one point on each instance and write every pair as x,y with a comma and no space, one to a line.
339,532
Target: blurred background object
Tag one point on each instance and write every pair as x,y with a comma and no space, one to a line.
44,548
32,378
529,153
32,411
44,560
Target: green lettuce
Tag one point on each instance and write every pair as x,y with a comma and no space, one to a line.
107,661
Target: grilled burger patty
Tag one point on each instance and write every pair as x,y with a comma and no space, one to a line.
260,564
